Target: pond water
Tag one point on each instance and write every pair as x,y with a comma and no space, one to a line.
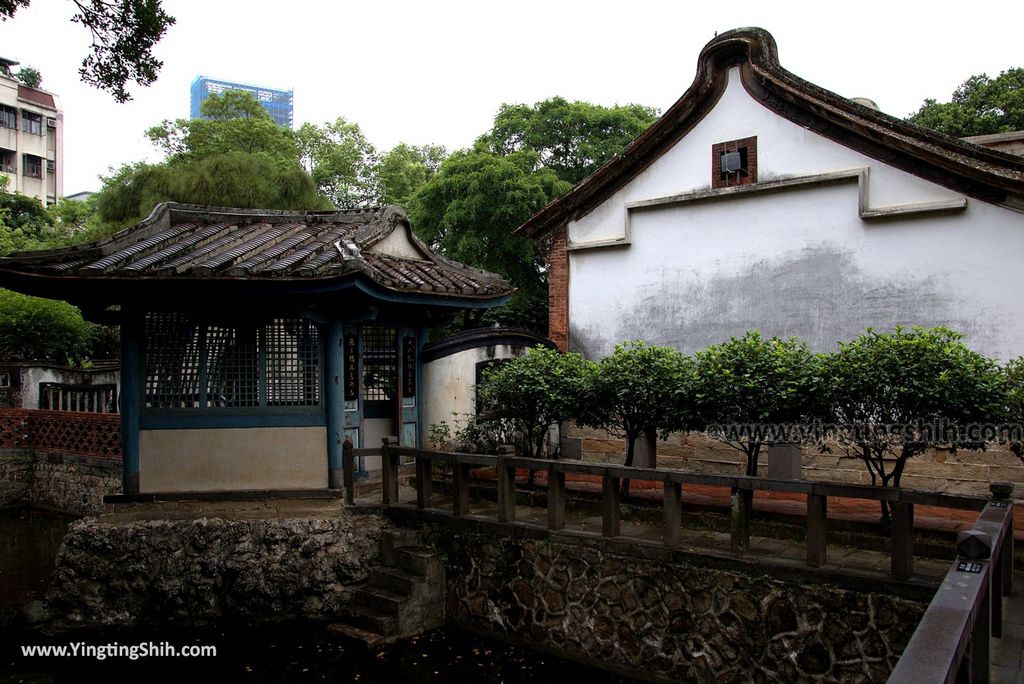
288,653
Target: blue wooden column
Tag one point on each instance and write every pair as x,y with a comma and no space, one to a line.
334,396
132,380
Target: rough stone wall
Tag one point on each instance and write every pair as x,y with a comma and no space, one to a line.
15,477
671,621
72,484
210,571
942,470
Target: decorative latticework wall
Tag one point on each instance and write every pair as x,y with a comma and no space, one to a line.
92,435
194,364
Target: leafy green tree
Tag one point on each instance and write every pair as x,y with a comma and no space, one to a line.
535,391
123,35
341,161
30,76
640,390
893,390
1013,377
72,216
750,381
234,179
981,105
468,211
571,138
236,123
406,168
33,328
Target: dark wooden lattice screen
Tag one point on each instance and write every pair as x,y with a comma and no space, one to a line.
191,364
380,363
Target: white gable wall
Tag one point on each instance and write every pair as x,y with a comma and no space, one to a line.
797,262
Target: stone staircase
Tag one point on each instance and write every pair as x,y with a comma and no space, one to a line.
404,595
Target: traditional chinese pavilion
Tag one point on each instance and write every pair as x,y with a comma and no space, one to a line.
254,341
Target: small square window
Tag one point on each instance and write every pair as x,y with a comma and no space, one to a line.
734,163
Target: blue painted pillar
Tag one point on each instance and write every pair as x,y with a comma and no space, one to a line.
334,395
132,379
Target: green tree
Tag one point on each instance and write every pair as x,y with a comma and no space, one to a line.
981,105
72,216
891,391
571,138
233,179
123,35
30,76
33,328
341,161
535,391
640,390
406,168
1013,377
236,123
750,381
467,212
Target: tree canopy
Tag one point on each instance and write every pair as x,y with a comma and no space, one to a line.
981,105
30,76
571,138
123,34
469,209
407,168
752,381
236,122
341,161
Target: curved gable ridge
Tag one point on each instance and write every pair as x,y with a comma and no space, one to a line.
977,172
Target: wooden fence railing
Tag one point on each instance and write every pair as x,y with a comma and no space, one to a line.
901,501
951,643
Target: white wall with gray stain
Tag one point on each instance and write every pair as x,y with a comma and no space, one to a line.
800,262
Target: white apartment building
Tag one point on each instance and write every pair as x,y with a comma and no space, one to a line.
31,138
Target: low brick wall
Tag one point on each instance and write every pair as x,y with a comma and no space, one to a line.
941,470
59,460
670,620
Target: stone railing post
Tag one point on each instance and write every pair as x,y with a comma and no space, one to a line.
1003,493
902,547
348,463
817,530
610,514
973,546
556,498
742,508
424,480
460,482
389,470
672,502
506,484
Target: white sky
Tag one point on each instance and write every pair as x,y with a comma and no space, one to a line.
436,71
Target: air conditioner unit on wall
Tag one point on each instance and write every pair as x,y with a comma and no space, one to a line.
51,122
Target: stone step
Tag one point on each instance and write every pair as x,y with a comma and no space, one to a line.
419,560
372,620
394,580
394,539
385,601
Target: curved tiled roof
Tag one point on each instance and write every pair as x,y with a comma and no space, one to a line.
975,171
190,243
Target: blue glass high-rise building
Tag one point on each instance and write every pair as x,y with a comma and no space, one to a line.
278,103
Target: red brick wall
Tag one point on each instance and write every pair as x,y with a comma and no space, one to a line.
558,290
96,435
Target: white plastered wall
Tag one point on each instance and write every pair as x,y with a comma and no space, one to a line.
227,459
797,262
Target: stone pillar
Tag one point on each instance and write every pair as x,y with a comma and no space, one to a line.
784,462
645,454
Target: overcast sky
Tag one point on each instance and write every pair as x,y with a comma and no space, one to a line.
436,71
